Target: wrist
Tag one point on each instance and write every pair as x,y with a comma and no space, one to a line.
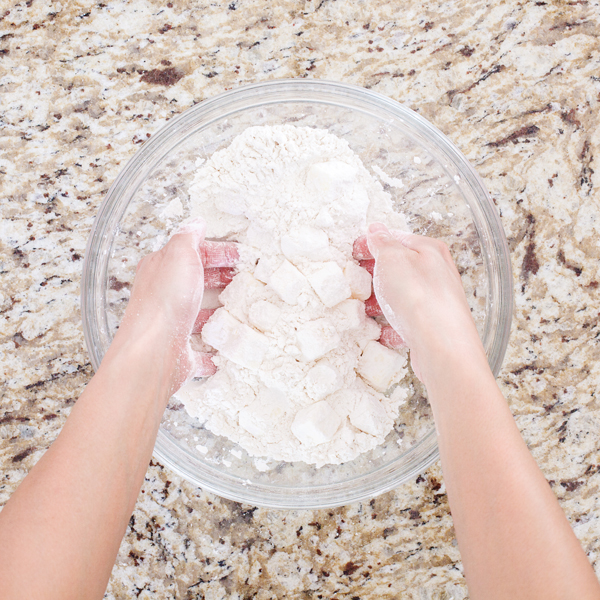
443,362
145,358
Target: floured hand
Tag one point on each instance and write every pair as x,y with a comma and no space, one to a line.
167,296
419,291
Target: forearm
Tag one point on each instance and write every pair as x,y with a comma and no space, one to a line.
61,530
515,540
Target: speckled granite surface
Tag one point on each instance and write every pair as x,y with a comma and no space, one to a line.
516,85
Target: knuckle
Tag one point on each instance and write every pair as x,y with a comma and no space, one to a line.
442,247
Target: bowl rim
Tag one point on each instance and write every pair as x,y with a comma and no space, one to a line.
484,215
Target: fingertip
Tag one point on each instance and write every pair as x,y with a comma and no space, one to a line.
378,229
196,227
377,235
205,367
360,249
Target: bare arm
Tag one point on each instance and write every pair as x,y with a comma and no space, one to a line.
514,539
61,529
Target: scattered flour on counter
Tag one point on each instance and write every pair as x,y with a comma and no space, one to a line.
301,375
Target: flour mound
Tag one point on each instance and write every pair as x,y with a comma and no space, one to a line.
301,375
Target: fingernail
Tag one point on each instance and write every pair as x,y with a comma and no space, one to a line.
379,231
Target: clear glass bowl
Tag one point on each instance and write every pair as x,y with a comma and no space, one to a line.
442,197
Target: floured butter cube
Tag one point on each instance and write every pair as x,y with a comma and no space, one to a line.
359,280
235,296
316,424
235,340
371,330
316,338
322,380
265,413
369,416
264,315
305,242
399,396
329,283
264,269
380,367
287,282
349,314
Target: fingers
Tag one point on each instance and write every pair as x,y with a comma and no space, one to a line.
213,254
379,236
202,318
204,367
219,254
218,259
369,265
195,227
391,338
361,250
218,278
191,232
372,308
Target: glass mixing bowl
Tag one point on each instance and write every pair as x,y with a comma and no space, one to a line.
442,197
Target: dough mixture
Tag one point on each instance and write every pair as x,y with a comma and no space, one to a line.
301,375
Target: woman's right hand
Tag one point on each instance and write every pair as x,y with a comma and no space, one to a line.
420,293
167,295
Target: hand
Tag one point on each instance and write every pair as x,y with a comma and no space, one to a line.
419,291
167,295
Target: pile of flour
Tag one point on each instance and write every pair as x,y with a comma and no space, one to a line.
300,375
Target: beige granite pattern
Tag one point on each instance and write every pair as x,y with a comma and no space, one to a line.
516,85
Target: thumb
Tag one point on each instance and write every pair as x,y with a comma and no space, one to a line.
378,236
195,227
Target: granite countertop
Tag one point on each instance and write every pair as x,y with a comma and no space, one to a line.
516,85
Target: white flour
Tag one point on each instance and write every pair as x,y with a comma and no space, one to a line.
300,374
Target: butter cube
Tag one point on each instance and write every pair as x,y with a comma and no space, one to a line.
235,340
288,283
329,283
359,280
349,314
322,380
235,296
264,269
380,367
316,424
264,315
369,416
305,243
316,338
